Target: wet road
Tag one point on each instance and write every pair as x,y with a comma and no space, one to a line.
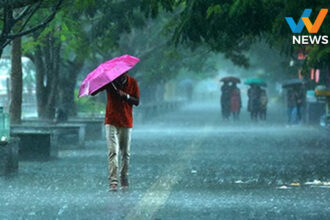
189,165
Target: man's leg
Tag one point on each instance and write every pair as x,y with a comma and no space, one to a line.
298,114
289,115
113,148
125,146
235,116
294,115
303,114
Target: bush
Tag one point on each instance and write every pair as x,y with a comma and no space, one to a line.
89,104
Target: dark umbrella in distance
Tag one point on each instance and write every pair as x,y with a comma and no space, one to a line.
255,81
292,82
230,79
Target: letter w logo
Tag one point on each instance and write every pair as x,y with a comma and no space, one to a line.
305,21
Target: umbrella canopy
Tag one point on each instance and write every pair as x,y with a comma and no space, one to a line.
292,82
230,79
255,81
106,73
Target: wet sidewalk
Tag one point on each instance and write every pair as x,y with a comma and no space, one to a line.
189,165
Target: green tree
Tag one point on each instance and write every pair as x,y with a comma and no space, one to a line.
280,36
161,62
224,26
231,27
15,23
82,31
16,18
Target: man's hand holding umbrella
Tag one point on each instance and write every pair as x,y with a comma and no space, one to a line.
123,95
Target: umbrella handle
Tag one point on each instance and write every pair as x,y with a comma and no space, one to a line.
113,85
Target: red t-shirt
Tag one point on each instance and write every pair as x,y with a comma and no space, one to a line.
119,112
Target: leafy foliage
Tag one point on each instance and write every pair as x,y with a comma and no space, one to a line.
20,18
89,105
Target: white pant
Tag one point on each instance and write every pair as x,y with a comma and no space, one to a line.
118,138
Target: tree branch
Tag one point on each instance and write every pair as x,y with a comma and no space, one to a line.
17,3
30,15
43,24
5,44
23,13
5,21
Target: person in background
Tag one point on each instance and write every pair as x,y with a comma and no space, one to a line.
301,103
292,97
263,105
225,100
122,94
254,101
235,101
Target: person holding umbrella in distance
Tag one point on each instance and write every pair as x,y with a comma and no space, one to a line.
254,94
230,99
296,96
122,93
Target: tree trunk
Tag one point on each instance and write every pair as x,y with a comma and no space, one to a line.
41,94
1,50
46,60
67,84
52,52
15,108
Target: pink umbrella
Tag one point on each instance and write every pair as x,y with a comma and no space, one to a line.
106,73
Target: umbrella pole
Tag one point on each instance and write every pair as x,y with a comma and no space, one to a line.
113,85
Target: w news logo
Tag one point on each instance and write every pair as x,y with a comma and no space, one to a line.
311,28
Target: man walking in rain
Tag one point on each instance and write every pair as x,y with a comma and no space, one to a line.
122,94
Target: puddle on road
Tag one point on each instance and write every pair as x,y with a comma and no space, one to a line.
79,154
314,184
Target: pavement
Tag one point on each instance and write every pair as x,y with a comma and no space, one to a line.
185,165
